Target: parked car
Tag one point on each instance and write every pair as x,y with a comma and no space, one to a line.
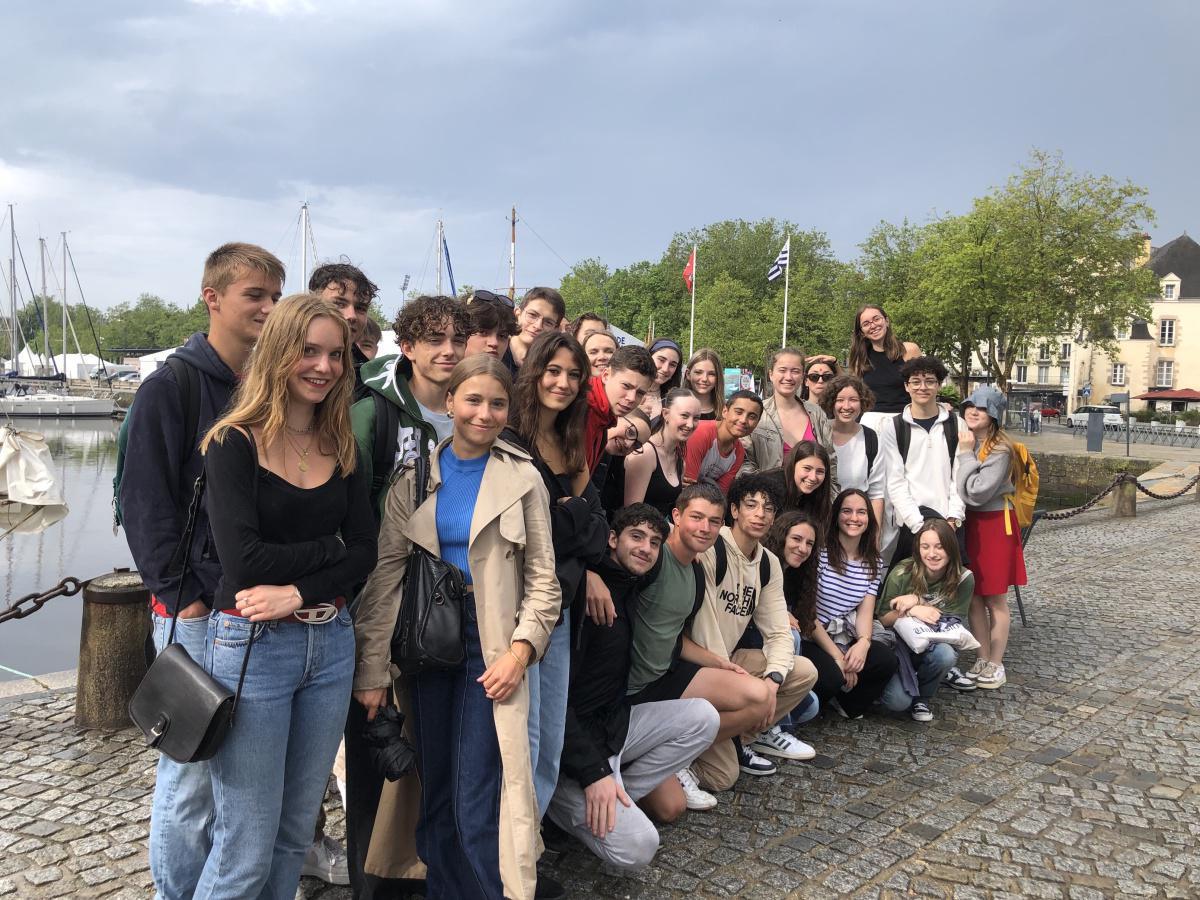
134,377
1112,416
1051,412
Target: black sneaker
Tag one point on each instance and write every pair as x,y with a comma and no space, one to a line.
548,889
751,763
554,838
960,681
836,705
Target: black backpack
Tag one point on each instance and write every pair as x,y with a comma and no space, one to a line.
386,442
904,435
188,381
871,437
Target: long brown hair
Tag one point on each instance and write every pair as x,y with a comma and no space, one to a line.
998,439
948,587
570,425
799,585
866,543
702,355
262,398
818,501
860,361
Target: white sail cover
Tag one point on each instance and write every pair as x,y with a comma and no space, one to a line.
30,497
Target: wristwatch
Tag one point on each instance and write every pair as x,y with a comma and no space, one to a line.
775,677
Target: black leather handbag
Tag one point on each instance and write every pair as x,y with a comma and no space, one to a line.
429,627
182,710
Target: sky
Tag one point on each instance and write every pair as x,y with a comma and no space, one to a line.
154,130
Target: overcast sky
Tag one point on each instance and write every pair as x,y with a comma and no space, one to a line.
154,131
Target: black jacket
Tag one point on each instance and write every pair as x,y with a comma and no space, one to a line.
597,707
159,472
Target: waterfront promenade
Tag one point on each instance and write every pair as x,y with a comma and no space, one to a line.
1076,780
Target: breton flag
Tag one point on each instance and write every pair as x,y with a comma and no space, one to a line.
781,261
690,269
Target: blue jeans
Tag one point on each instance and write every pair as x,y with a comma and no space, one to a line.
182,809
808,708
458,758
548,681
270,775
932,665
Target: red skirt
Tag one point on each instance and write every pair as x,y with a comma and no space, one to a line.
996,558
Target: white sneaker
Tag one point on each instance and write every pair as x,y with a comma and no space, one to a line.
992,678
326,859
697,798
777,742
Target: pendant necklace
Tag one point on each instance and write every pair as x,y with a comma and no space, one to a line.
302,453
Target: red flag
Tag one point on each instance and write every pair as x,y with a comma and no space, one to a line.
690,269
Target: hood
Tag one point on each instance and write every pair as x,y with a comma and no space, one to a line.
616,575
199,352
388,375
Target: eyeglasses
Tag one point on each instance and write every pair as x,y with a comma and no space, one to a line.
814,377
488,297
924,383
631,435
877,320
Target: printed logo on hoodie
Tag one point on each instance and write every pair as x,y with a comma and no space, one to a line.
739,603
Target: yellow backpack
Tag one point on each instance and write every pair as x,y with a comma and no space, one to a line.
1026,479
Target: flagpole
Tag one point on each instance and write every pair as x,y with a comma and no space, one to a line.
787,271
692,329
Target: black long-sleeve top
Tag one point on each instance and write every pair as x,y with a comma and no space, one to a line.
268,531
597,706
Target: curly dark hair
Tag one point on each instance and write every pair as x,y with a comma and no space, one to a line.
924,365
422,317
799,585
839,384
818,501
755,483
345,274
486,316
639,514
570,425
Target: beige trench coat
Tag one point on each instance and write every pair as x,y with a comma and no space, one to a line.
518,597
764,446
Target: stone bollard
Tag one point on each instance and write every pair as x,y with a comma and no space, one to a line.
112,648
1125,500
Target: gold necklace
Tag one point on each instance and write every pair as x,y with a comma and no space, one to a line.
302,453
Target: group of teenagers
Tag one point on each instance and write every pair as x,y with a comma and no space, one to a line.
663,582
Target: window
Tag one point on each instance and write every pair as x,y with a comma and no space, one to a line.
1022,374
1164,373
1064,375
1044,353
1168,292
1117,375
1166,333
1043,375
1064,351
1123,332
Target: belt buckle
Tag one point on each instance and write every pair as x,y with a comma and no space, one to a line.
316,615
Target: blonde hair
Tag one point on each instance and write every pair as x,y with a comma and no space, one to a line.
262,397
998,439
704,354
225,263
480,364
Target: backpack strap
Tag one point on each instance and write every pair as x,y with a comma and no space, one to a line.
950,432
722,559
903,436
188,380
384,442
764,569
872,441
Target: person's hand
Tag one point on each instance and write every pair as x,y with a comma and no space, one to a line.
850,680
503,676
373,701
927,614
194,610
966,440
903,603
793,622
768,718
954,523
600,607
268,602
730,666
601,798
856,656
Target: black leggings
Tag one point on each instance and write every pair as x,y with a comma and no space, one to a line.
876,673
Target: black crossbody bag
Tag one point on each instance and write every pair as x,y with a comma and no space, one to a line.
429,627
182,710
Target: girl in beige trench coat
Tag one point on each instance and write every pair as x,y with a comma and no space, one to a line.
510,562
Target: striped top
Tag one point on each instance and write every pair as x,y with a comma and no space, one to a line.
838,593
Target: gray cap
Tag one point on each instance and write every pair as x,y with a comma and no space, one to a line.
990,399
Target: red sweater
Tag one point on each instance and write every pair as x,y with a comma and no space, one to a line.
704,437
600,418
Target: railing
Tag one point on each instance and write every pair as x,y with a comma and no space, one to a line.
1151,433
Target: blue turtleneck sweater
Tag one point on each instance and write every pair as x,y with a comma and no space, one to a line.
456,498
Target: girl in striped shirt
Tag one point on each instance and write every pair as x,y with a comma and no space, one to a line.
851,668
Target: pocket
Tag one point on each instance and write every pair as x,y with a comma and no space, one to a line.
512,526
234,631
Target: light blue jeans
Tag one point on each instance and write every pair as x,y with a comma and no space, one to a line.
548,711
182,809
932,665
270,775
808,708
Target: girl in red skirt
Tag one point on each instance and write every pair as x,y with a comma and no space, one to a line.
986,479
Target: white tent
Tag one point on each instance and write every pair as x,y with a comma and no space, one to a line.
30,363
151,361
78,365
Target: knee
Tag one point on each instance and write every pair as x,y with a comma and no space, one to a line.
756,691
940,657
803,675
708,722
670,808
632,851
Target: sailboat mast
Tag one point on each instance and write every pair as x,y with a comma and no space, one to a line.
304,245
45,306
64,299
440,243
12,286
512,257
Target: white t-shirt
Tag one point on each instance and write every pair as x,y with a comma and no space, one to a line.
714,465
852,467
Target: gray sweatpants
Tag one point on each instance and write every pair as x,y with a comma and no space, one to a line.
663,737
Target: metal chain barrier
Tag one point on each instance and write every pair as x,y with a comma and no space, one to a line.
1179,493
1119,478
31,603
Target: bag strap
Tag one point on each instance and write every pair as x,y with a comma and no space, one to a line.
871,438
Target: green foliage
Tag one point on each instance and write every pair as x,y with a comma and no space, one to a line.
1190,416
150,323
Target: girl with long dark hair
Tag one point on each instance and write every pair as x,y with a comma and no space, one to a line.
807,479
856,446
794,538
549,419
654,474
876,355
667,361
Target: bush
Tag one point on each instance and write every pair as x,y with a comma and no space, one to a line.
1143,415
1191,416
949,394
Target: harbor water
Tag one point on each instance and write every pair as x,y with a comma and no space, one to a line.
81,545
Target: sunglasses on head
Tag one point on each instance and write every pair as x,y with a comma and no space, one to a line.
814,377
488,297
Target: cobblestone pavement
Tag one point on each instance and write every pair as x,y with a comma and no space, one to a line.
1075,780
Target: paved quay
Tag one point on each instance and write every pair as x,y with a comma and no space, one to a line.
1076,780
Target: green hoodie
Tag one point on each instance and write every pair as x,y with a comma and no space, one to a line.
387,377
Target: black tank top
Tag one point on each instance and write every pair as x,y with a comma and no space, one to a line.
883,378
660,493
